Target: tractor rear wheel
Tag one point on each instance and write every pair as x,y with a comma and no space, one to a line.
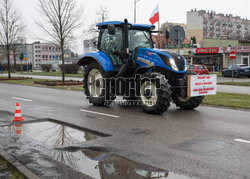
187,102
155,93
96,88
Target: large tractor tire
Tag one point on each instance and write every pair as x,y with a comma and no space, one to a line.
95,87
155,93
187,102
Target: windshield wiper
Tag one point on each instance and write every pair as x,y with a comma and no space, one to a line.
146,36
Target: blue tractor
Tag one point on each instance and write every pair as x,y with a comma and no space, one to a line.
126,64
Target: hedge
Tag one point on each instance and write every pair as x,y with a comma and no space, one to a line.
71,68
46,67
18,67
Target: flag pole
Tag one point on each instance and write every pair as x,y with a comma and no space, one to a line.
159,28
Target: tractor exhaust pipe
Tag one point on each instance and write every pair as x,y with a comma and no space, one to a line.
124,68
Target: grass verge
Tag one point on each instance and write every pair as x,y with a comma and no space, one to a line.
30,82
8,171
216,73
234,83
233,100
56,73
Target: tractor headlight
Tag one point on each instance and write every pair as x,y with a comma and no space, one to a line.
173,64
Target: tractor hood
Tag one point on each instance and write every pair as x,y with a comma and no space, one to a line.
163,58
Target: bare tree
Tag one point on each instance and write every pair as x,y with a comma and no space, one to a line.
11,28
14,50
60,19
102,16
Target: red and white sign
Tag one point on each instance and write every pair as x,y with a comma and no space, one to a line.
201,85
154,16
241,49
232,55
11,57
238,49
209,50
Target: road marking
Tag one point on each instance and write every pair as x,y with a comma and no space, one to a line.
242,140
104,114
22,99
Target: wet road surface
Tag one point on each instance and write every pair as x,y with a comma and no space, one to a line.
203,143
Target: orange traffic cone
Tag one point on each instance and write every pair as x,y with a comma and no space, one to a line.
18,115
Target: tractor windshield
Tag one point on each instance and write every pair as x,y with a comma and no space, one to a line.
139,38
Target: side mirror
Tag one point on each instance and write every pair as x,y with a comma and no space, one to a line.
111,29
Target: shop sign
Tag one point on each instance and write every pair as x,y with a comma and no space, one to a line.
200,85
208,50
238,49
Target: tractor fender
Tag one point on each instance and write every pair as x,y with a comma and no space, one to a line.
145,69
101,58
142,70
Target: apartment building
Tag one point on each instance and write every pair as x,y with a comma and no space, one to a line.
45,53
208,27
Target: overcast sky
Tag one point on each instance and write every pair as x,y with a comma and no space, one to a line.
170,10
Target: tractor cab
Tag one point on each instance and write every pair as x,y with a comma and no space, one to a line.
120,41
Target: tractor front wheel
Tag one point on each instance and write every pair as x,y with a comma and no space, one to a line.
96,87
187,102
155,93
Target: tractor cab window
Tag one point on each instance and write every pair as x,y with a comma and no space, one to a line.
138,38
111,43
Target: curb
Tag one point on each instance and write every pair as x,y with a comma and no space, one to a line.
16,164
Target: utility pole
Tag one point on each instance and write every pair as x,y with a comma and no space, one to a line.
135,1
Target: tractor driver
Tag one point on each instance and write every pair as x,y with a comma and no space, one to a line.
112,44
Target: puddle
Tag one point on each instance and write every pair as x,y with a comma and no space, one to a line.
104,165
7,171
52,134
93,163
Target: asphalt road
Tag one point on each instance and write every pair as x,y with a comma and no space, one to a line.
229,79
204,143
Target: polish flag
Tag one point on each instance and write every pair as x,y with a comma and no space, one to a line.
155,15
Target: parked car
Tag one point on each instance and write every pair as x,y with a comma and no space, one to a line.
198,69
238,70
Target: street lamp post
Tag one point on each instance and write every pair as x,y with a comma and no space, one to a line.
135,1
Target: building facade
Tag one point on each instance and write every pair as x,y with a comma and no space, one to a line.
215,34
15,54
209,25
45,53
36,53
